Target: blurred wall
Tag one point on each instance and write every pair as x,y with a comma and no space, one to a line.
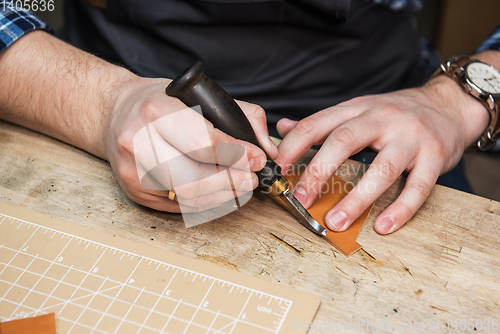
54,18
464,24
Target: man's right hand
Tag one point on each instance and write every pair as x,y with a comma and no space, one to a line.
178,132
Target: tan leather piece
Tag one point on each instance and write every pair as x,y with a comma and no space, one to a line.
44,324
343,241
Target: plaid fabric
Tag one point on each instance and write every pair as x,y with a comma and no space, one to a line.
492,42
14,24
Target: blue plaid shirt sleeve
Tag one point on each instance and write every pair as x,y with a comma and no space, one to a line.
15,23
492,42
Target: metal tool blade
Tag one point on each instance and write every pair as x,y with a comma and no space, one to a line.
301,213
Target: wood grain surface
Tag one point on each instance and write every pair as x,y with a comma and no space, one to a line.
443,265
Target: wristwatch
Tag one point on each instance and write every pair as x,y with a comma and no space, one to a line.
483,82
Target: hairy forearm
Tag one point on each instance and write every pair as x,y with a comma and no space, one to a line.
51,87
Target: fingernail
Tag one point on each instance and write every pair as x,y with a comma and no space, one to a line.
249,184
300,194
257,163
386,225
336,221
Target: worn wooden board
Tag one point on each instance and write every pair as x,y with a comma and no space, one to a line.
403,280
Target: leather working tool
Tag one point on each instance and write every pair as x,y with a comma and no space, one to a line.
194,88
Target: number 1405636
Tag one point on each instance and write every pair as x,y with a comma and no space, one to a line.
26,5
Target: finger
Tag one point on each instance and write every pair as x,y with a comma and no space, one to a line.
312,130
418,186
162,203
385,169
189,178
257,117
211,200
153,201
340,145
227,179
190,133
285,125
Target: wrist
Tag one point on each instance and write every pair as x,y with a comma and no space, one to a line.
449,96
111,93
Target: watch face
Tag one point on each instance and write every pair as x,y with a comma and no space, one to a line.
485,77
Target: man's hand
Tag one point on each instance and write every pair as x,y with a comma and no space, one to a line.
423,131
54,88
182,134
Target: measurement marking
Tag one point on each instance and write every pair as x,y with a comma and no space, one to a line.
97,311
175,309
284,316
157,301
83,280
122,285
18,279
241,312
74,299
146,258
43,275
224,327
91,292
72,302
135,323
50,294
209,328
130,308
86,306
44,294
123,301
70,321
121,288
17,252
198,308
60,281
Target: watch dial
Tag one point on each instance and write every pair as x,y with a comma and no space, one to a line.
485,77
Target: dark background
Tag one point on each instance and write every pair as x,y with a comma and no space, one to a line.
455,27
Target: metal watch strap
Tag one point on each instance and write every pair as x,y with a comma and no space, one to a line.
454,68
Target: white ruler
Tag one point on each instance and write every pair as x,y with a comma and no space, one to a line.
96,283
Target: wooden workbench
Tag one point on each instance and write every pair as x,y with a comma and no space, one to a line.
443,265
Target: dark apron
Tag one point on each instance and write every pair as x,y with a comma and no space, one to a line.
291,57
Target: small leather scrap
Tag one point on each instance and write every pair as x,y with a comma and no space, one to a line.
332,193
44,324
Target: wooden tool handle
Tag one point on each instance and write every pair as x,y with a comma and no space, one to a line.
194,88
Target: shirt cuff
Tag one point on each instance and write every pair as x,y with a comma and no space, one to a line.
492,42
16,23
